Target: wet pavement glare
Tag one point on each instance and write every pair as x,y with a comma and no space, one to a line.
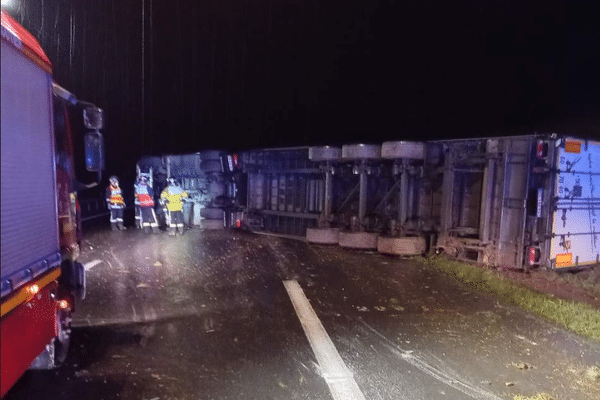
206,316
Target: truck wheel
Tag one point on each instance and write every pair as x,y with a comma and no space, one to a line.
211,166
325,153
403,149
207,155
323,235
401,246
361,151
216,189
212,213
359,240
212,224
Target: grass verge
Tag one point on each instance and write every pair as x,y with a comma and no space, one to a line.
577,317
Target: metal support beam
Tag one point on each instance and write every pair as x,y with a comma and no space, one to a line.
349,197
403,195
362,197
447,194
328,194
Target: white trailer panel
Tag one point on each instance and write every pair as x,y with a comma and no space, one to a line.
576,218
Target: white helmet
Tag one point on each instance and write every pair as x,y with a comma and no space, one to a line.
114,180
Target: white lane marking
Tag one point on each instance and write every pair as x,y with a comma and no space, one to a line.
339,379
91,264
135,318
112,252
452,381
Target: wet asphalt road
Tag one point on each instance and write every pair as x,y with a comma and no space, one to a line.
206,316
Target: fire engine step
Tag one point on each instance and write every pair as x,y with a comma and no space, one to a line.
401,246
359,240
323,235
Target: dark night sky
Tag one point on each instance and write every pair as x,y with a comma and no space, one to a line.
255,73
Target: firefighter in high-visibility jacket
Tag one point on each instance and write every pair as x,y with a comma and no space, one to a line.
144,195
173,196
116,204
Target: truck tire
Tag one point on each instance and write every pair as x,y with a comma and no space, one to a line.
212,213
210,155
216,189
359,240
361,151
324,153
323,235
212,224
403,149
401,246
211,166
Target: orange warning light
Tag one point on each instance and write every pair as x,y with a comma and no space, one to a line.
33,289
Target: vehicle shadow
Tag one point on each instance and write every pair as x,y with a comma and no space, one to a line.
73,379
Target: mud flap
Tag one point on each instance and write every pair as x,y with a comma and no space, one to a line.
80,287
45,360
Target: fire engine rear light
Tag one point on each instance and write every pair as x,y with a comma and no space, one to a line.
33,289
63,304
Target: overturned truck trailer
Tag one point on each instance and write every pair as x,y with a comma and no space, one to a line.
521,201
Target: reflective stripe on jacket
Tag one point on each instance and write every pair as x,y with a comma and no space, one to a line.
114,196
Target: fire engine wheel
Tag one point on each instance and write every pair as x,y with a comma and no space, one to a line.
401,246
212,224
359,240
212,213
211,166
323,235
206,155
